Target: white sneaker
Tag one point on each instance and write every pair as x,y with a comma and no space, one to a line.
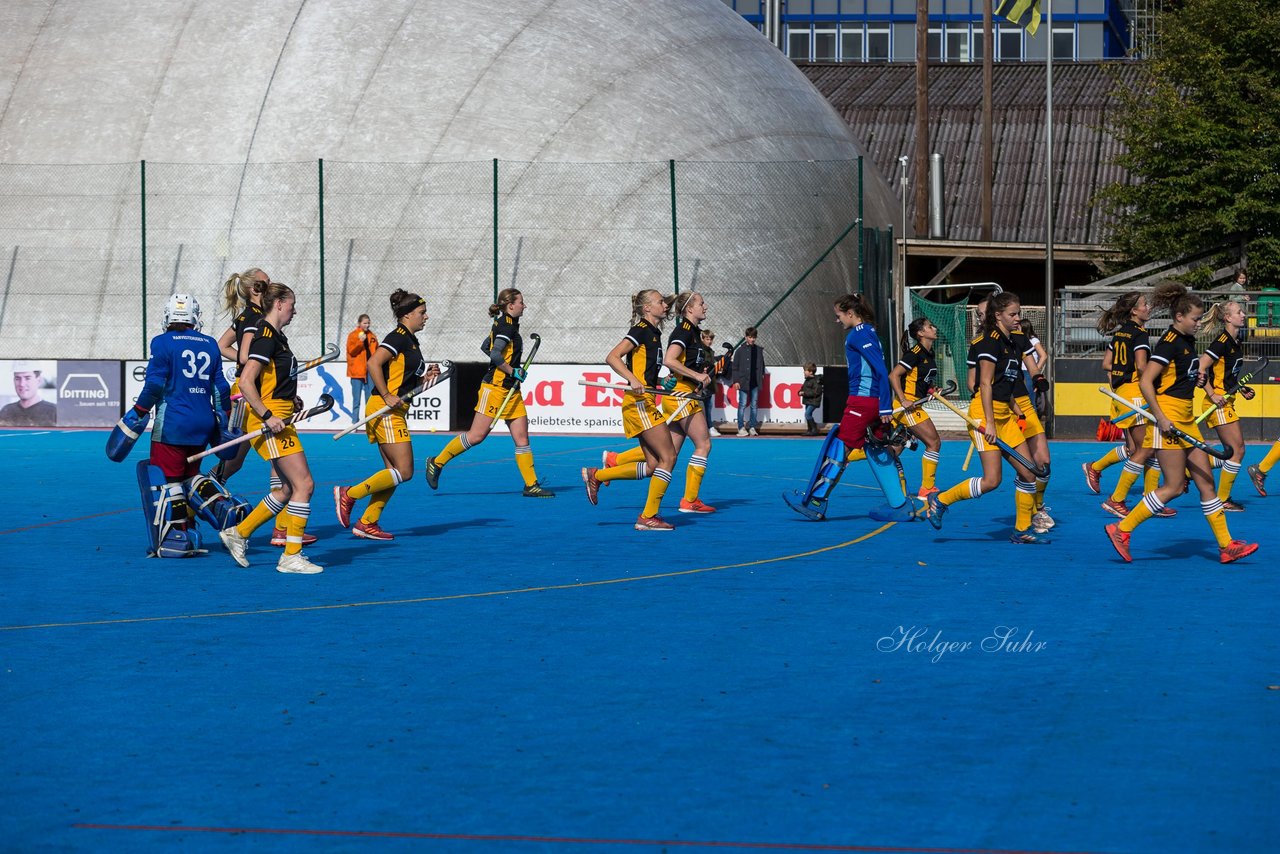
753,432
715,432
297,563
236,545
1041,521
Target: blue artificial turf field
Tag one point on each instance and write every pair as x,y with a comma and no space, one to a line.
531,675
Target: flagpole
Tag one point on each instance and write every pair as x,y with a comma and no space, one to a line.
1048,200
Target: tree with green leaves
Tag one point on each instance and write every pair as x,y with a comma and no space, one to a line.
1202,138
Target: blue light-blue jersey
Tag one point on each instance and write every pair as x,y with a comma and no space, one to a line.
868,376
185,378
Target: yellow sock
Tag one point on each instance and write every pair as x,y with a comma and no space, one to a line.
929,470
631,455
1128,477
693,477
1151,480
377,501
297,513
629,471
1272,457
1141,512
381,480
1217,520
282,520
657,488
1227,479
266,509
962,491
524,462
1024,502
457,445
1041,485
1108,459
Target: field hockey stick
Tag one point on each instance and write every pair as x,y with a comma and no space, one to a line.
1223,454
1005,447
948,388
660,392
325,404
330,353
404,398
1243,381
537,342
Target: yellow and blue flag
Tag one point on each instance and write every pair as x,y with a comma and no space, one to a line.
1014,10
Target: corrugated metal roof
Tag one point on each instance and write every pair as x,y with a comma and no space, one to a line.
878,102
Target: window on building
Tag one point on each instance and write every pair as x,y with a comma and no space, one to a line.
1009,44
824,45
958,45
878,45
798,42
826,7
933,46
851,44
1064,43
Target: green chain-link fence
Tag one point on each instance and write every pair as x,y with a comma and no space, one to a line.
578,239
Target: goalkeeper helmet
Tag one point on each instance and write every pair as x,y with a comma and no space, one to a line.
182,308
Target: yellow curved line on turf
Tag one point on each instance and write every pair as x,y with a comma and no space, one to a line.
418,600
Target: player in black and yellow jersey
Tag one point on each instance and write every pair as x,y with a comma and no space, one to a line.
501,385
242,297
636,359
1033,431
395,368
270,394
911,379
1220,366
1168,386
690,365
997,365
1123,363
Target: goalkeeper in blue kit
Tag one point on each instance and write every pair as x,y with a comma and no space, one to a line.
191,398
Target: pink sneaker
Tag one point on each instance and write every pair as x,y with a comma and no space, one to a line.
653,523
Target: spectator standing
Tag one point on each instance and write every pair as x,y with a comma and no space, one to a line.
748,377
709,390
811,396
360,345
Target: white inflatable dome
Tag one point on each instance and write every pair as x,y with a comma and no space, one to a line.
583,103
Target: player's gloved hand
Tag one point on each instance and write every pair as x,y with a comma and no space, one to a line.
226,434
519,374
135,420
668,382
1040,383
1246,392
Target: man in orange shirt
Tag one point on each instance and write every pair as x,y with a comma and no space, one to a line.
360,344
